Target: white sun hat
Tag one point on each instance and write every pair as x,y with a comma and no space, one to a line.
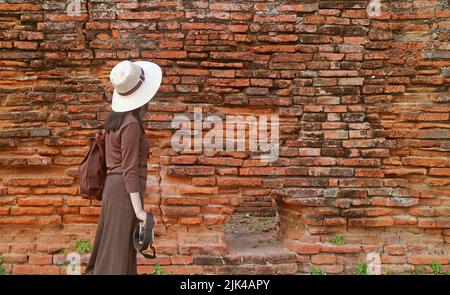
135,84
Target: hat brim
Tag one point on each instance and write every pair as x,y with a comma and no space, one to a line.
148,89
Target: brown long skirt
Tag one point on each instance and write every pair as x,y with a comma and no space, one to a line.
113,252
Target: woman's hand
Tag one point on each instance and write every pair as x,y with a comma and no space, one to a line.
141,215
143,224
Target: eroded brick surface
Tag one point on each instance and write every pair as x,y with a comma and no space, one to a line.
364,139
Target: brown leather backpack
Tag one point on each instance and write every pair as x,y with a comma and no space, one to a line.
92,171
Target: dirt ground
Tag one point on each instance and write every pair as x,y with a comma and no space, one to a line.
244,223
245,234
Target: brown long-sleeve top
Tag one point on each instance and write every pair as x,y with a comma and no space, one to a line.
127,151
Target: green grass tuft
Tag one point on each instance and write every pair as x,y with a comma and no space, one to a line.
436,267
360,269
2,268
81,246
157,270
337,240
316,271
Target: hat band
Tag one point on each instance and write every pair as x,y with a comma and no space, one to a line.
136,87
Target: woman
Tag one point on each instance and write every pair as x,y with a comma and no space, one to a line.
127,150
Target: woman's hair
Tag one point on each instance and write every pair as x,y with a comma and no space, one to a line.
115,119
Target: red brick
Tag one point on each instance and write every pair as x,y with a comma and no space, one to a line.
394,249
190,220
140,15
180,210
25,45
440,171
185,200
302,248
262,171
207,181
393,259
182,259
25,269
192,170
425,259
195,190
32,211
276,18
298,7
19,7
40,259
371,222
238,182
229,6
218,161
215,219
323,259
340,249
90,210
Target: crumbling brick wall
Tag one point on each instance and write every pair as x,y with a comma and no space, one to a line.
363,103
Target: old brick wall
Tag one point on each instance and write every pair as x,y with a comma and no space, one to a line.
364,125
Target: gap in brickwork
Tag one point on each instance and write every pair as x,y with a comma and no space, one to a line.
254,242
249,234
252,227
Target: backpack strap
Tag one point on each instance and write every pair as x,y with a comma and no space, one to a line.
100,140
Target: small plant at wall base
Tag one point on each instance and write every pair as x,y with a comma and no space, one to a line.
418,272
316,271
2,268
157,270
360,269
81,246
436,267
337,240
